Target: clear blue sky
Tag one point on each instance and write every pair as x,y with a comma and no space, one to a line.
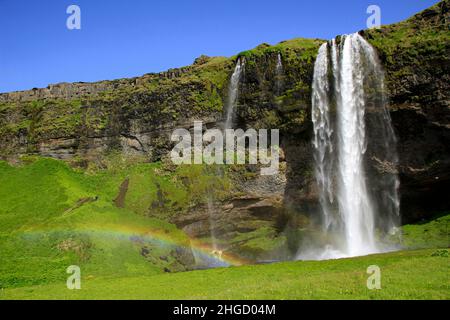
129,38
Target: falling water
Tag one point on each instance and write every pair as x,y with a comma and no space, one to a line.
322,133
279,67
354,200
212,223
279,74
352,128
233,91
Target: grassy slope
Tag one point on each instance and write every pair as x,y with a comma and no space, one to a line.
404,275
40,236
427,234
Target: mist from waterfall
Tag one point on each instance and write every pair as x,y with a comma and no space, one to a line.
354,152
233,91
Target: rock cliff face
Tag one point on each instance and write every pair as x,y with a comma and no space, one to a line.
415,54
82,122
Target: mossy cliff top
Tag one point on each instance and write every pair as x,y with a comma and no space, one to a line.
143,104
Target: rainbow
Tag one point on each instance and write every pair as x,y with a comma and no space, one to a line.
156,236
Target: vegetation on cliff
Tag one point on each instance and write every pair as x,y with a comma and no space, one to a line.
53,216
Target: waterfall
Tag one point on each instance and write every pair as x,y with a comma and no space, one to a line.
354,200
230,106
233,91
322,133
212,223
279,67
279,74
354,151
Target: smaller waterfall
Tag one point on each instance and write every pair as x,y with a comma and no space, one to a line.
230,106
279,64
233,91
279,74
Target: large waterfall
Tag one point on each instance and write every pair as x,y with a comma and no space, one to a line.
233,90
354,151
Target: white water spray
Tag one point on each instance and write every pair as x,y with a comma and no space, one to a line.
340,104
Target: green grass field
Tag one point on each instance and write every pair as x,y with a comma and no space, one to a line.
52,216
44,228
422,274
